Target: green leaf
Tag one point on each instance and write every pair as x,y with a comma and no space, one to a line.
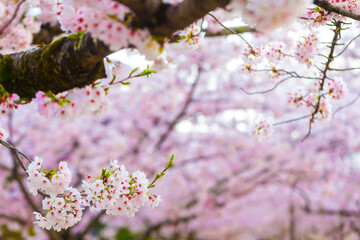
147,72
112,16
77,35
132,72
50,95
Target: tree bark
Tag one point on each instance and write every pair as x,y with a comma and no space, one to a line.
67,63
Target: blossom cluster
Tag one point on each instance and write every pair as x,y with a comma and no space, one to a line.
115,191
307,49
17,36
261,129
110,26
274,53
63,208
348,5
118,192
8,102
191,36
297,97
3,134
337,89
315,97
90,100
61,212
52,182
270,55
251,55
317,16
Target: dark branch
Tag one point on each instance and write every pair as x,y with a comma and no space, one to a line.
65,64
330,58
333,9
12,18
233,30
144,9
47,33
13,218
164,19
331,212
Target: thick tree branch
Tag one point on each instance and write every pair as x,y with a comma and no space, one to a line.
47,33
185,13
144,9
331,8
164,20
67,63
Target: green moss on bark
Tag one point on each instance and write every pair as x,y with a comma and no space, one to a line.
67,63
5,69
46,59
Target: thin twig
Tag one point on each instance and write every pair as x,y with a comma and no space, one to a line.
292,120
346,105
347,45
12,18
10,146
344,69
231,30
266,91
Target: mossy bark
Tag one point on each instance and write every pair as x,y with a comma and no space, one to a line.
68,62
163,20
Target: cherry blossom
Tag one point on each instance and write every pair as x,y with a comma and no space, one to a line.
294,61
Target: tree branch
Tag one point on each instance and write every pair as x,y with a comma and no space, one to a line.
232,30
339,212
47,33
68,62
330,58
165,19
331,8
144,9
13,218
12,18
